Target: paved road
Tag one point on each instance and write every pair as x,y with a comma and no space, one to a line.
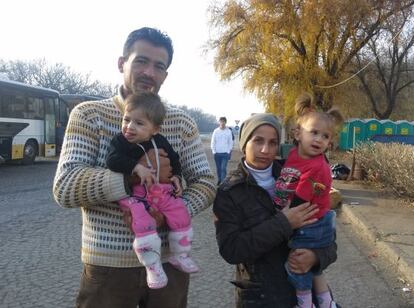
40,253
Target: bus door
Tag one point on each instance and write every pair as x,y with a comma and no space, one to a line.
50,127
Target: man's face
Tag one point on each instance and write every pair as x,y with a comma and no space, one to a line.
222,124
145,69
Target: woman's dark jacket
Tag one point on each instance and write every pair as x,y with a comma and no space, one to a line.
252,233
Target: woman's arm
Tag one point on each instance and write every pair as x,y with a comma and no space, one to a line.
236,244
325,256
303,260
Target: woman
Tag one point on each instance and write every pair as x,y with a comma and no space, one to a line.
252,233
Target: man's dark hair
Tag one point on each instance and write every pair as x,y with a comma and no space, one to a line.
224,119
150,35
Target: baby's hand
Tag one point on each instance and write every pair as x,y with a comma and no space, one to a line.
178,191
147,175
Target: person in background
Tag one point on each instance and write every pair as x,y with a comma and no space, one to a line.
112,275
306,177
252,232
221,146
141,123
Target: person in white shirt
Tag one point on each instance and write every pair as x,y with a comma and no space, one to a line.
221,145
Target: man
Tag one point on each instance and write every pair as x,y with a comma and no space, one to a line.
112,276
221,146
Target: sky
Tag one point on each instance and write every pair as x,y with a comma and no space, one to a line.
88,36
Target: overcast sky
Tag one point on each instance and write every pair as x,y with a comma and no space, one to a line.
88,37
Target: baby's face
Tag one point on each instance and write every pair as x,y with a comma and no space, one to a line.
136,127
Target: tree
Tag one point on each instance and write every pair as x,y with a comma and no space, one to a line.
392,65
205,122
283,47
54,76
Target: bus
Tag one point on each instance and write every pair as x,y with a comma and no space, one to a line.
27,121
33,120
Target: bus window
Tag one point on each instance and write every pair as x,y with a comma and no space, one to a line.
15,106
35,108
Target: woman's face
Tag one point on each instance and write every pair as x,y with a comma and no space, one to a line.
262,147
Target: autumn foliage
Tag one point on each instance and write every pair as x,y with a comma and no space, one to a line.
282,48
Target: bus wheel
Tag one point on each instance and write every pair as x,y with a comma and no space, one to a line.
29,152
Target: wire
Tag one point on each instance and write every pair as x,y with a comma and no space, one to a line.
352,76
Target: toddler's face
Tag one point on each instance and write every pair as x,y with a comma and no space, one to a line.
314,137
136,127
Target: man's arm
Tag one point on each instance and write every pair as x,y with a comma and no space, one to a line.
230,141
213,142
172,155
200,190
79,181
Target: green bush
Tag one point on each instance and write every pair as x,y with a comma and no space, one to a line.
388,164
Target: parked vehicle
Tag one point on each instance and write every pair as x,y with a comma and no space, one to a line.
27,121
33,120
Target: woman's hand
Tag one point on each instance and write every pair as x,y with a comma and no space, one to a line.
301,260
300,215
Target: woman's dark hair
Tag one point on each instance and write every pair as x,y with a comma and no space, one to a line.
150,35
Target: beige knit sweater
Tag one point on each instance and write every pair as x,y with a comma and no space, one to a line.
82,179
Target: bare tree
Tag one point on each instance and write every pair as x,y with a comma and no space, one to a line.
56,76
390,73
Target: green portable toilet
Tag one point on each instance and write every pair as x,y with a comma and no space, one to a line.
404,128
372,128
343,135
388,127
352,127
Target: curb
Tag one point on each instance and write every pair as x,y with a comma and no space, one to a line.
386,250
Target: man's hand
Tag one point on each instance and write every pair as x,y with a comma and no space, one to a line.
128,218
178,190
301,260
165,166
158,216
